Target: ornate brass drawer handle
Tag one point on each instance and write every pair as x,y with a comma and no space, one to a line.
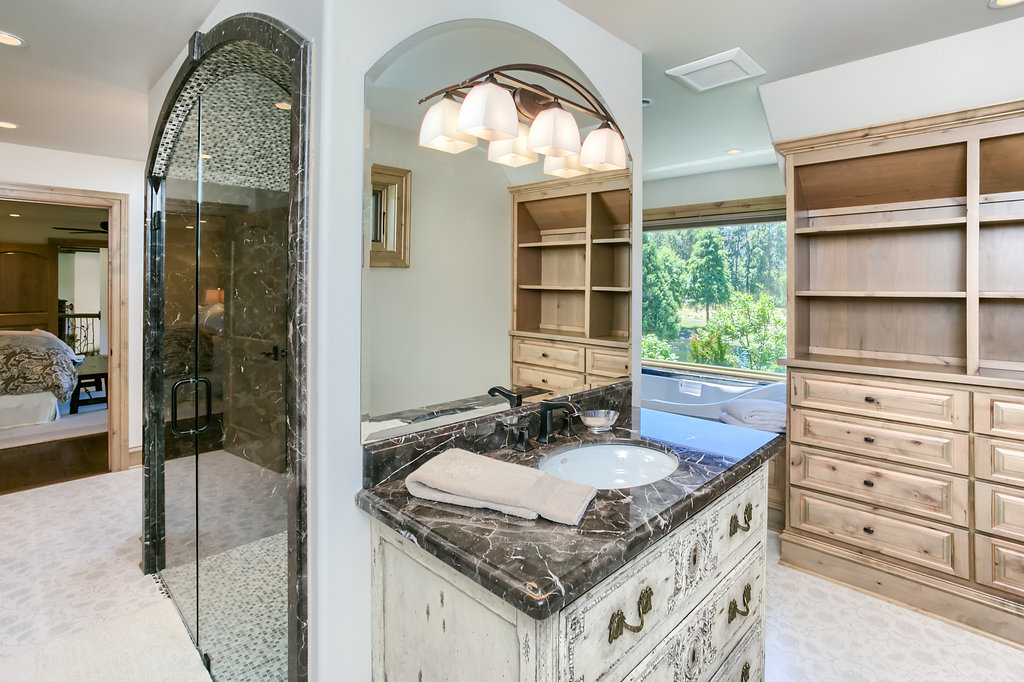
745,673
618,620
734,608
734,522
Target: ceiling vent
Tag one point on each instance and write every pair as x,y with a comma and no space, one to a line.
717,70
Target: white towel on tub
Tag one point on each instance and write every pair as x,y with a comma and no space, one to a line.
779,427
461,477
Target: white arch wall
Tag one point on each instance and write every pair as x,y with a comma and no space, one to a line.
348,39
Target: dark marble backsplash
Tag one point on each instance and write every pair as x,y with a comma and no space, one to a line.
391,458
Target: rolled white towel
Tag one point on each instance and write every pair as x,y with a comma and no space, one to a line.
779,427
460,477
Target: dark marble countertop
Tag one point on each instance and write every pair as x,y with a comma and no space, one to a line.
540,566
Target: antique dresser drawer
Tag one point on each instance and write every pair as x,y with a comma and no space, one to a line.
696,648
931,448
665,584
607,362
937,496
999,415
998,460
999,510
746,662
548,354
924,404
541,377
999,564
925,543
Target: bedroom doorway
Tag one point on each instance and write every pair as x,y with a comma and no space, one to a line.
63,270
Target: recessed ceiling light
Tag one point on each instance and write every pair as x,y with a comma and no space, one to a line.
204,156
1000,4
285,106
646,101
15,215
734,151
11,39
190,227
8,125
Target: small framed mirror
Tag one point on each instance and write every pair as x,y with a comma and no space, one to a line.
390,206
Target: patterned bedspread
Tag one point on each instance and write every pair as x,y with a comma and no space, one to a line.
37,361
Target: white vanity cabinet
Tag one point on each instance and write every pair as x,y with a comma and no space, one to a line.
690,607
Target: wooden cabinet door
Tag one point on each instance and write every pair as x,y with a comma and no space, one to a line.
28,287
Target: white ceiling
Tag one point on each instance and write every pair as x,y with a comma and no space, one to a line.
35,222
81,83
687,132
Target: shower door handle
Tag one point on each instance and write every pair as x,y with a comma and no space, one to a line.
209,403
174,407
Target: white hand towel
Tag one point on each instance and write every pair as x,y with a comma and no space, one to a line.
756,411
461,477
771,428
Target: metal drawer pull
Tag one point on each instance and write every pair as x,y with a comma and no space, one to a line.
734,522
544,355
618,620
870,484
745,673
868,399
869,439
734,609
869,530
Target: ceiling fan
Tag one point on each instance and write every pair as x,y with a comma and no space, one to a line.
85,230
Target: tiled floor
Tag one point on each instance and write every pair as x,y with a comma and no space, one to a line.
821,632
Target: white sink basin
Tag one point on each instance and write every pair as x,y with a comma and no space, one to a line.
610,465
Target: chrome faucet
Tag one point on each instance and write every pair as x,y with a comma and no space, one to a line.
547,428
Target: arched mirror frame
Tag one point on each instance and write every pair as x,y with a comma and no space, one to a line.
233,46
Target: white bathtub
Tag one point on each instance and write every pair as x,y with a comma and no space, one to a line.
700,397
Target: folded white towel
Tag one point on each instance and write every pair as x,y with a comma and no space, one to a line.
752,410
461,477
778,427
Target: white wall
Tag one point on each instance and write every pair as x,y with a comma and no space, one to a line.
742,183
438,330
348,39
972,69
49,167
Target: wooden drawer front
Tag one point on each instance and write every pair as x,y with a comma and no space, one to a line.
936,496
941,450
999,564
999,415
696,648
928,544
777,479
538,377
746,662
917,404
607,363
548,354
680,571
999,510
998,460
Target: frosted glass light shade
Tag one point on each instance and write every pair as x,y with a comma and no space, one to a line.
489,112
564,166
512,152
439,131
603,150
554,133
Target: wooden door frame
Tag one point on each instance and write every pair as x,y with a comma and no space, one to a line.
117,297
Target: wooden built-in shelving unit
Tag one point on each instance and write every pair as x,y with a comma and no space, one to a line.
571,267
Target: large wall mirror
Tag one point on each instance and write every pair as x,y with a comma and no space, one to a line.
435,334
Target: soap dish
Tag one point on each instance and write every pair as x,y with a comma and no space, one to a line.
599,421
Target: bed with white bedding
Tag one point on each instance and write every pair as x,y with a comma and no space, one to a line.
37,371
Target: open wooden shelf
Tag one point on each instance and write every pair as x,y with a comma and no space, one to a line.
553,287
612,289
554,244
613,240
883,294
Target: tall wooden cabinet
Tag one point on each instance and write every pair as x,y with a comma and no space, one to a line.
906,364
571,287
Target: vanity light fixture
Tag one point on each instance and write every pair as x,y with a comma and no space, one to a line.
512,152
564,166
11,40
499,107
1000,4
8,125
733,151
15,215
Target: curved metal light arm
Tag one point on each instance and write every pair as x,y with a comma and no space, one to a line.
592,107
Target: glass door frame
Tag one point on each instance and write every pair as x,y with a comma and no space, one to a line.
232,46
